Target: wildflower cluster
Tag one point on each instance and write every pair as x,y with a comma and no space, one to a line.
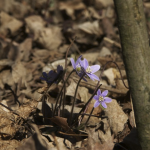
84,71
82,67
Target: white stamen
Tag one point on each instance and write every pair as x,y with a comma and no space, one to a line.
88,69
101,98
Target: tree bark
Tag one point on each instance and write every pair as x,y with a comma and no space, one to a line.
136,56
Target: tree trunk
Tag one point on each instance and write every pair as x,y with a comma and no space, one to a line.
136,55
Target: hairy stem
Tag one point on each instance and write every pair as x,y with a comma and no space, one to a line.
75,98
61,92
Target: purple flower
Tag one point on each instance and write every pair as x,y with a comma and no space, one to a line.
53,76
89,70
60,74
59,69
76,66
101,99
49,77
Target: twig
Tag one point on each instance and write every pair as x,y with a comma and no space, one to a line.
121,146
112,42
15,96
9,109
55,140
93,85
72,134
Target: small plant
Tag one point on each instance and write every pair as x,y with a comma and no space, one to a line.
84,71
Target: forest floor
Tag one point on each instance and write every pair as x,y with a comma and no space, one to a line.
36,36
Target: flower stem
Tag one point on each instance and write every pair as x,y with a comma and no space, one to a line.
89,116
70,119
61,91
86,105
64,99
64,95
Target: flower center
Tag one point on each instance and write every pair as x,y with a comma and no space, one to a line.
78,68
101,98
88,69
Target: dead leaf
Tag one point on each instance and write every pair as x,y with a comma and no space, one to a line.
117,117
83,38
9,23
25,110
83,94
18,71
5,62
62,122
110,12
99,4
76,109
100,139
88,32
90,59
106,136
132,119
105,146
6,77
41,54
109,73
92,138
94,13
131,141
71,6
120,85
25,49
34,24
104,52
19,10
9,145
8,126
50,38
60,143
118,75
91,28
107,27
53,65
104,60
63,48
96,112
70,90
35,142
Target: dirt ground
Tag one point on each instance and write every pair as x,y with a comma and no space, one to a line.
35,37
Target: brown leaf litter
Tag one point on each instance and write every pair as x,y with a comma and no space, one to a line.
34,37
